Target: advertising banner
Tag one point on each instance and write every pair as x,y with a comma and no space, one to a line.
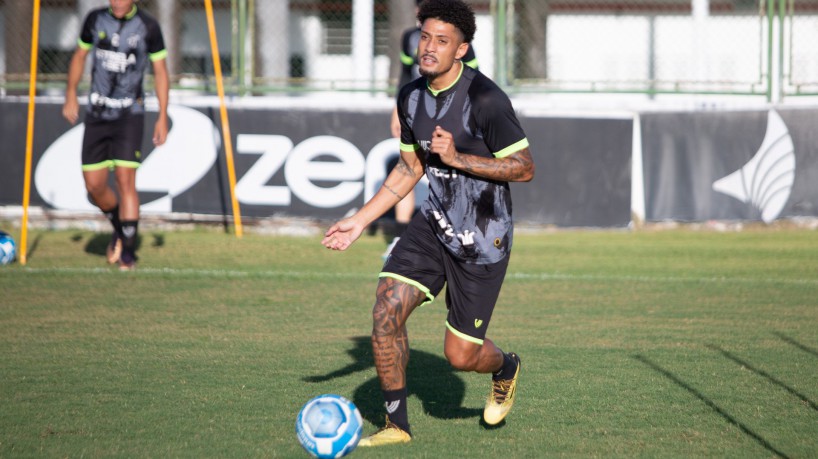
753,165
583,174
311,163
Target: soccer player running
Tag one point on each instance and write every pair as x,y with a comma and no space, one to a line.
459,129
124,39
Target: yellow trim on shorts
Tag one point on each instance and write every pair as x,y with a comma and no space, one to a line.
411,282
128,164
462,335
108,164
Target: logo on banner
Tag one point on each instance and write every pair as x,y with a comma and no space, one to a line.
322,171
766,180
171,169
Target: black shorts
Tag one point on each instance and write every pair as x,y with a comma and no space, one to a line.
109,143
421,260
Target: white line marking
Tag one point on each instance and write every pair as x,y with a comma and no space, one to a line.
665,279
512,276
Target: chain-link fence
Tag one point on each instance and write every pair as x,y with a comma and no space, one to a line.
736,47
799,50
641,46
264,45
638,46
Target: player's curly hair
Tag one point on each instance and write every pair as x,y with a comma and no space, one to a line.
455,12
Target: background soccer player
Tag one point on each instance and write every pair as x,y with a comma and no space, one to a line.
459,129
124,39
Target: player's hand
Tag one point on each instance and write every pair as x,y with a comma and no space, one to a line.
443,145
342,234
71,110
160,131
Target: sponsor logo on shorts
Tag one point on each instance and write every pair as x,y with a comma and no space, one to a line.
478,323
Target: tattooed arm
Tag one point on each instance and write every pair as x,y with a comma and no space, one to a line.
517,167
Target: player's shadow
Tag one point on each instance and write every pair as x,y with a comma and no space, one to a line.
429,377
98,243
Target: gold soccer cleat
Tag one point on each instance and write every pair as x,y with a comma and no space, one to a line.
390,434
501,397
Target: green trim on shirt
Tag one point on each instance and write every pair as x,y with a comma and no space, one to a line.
158,56
435,92
511,149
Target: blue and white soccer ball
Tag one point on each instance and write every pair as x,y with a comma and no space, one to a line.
8,250
329,426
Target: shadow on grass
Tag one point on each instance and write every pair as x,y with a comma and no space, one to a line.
766,375
31,249
98,243
729,418
428,377
797,344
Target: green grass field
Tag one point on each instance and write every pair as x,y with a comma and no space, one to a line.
634,344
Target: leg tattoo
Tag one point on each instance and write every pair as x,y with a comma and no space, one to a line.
394,302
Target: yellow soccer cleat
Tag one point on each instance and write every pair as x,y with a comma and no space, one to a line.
501,397
390,434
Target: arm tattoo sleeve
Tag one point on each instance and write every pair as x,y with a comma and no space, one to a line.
511,168
404,168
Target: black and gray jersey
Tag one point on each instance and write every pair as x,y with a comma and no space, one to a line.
471,215
122,49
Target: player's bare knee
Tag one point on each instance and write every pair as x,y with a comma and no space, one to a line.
95,190
463,361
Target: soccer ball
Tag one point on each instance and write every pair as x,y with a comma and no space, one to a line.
7,249
329,426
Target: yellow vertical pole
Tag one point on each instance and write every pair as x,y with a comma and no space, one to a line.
32,93
228,140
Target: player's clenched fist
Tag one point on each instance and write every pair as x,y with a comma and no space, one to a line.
443,145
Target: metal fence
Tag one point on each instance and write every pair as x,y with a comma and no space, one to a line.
764,47
799,45
759,47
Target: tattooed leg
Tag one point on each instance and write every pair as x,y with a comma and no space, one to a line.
394,302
